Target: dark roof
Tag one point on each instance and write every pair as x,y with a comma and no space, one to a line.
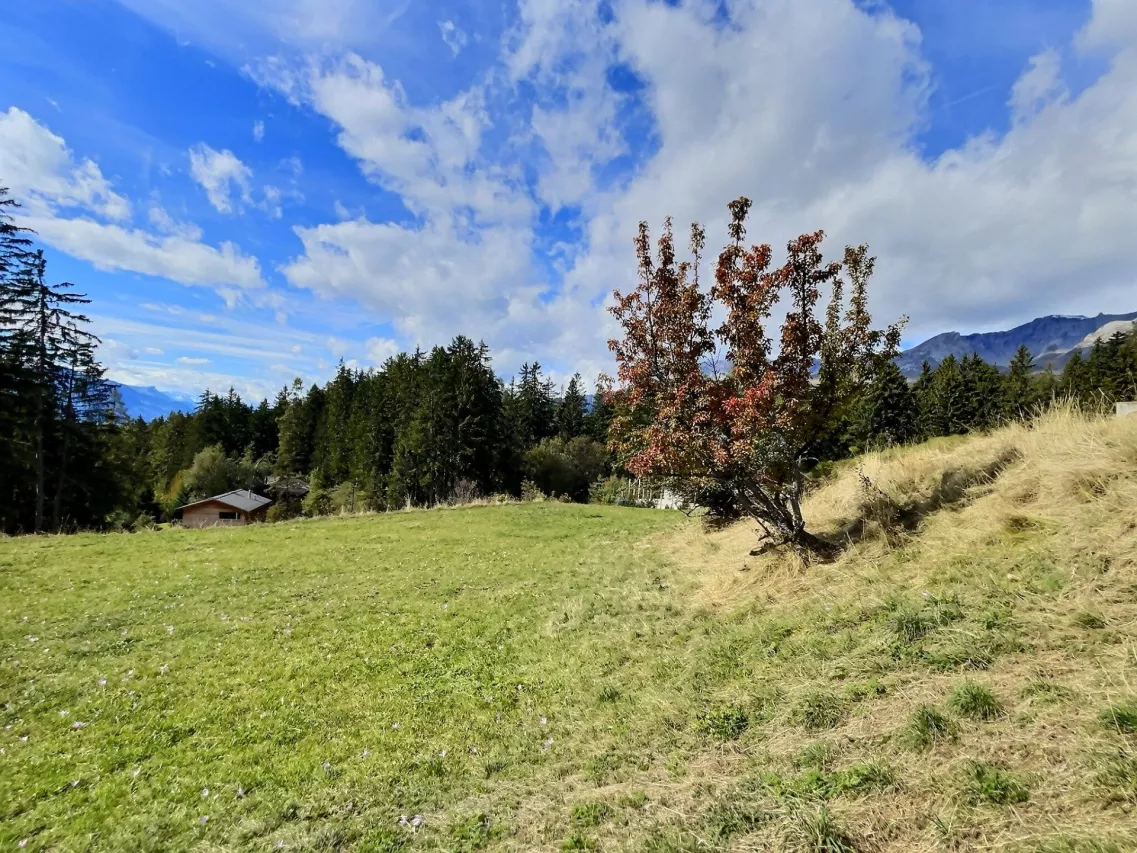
241,499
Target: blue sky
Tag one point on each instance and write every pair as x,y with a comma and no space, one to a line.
252,190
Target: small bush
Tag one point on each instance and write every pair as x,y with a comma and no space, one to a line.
531,492
590,814
1121,717
725,723
928,728
818,711
988,783
145,521
283,511
975,701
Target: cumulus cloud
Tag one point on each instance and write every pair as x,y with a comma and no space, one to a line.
258,131
72,207
36,165
221,174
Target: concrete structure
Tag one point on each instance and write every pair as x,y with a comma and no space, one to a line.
232,509
1123,409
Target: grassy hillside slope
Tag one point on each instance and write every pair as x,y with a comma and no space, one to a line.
547,677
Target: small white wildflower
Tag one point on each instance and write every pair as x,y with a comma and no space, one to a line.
279,844
474,750
394,725
327,765
136,771
74,783
402,820
240,793
169,629
442,753
163,669
365,753
102,682
64,712
33,639
23,841
77,725
545,746
204,819
416,821
204,792
24,739
544,721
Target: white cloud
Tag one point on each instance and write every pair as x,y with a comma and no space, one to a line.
41,172
381,349
1039,86
115,248
272,202
36,165
258,131
220,173
453,36
193,362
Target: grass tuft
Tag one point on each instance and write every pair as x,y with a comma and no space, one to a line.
590,814
724,723
819,711
819,832
929,727
976,701
989,783
1121,717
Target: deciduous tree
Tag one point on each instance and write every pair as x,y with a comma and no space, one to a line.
751,425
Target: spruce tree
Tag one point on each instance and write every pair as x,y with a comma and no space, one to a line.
889,411
1020,397
571,411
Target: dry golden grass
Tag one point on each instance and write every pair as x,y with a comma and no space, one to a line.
1031,533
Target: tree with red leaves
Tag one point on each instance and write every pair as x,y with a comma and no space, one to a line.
751,421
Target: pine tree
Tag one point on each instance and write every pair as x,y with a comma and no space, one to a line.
571,411
598,421
930,418
1020,397
889,412
62,382
982,394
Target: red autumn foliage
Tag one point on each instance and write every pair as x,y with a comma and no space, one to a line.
751,426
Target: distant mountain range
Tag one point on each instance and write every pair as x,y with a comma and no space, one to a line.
148,403
1051,340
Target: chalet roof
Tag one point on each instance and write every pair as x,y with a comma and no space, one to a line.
241,499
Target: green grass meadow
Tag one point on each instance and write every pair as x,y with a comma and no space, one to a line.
311,683
556,677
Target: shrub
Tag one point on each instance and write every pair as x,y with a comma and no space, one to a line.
145,521
283,511
928,727
566,468
531,492
975,701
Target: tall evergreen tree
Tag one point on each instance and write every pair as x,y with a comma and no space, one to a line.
571,411
1020,397
889,411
